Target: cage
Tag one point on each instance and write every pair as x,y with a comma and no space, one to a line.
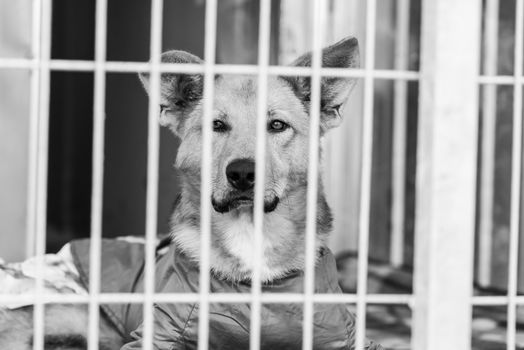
423,176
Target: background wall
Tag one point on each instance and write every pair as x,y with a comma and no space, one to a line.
15,42
126,118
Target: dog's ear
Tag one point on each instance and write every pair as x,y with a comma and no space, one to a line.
178,92
335,90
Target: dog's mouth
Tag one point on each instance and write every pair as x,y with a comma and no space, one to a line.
243,202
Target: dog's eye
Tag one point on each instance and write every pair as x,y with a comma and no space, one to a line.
219,126
277,126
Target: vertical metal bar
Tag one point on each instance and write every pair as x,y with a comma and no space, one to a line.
98,174
319,24
205,187
40,209
489,120
33,129
152,172
399,134
446,173
260,170
365,189
516,177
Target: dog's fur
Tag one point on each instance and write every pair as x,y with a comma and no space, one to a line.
235,115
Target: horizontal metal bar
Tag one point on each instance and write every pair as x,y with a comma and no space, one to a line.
500,80
492,300
134,298
135,67
496,300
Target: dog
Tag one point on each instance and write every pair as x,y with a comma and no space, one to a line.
233,167
233,179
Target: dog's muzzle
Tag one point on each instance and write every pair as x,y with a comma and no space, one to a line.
243,202
240,174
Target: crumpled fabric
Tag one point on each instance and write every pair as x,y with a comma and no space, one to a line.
176,325
60,276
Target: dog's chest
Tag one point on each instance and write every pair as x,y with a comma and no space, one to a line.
239,240
233,250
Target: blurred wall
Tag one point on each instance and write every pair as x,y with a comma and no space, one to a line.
15,41
125,172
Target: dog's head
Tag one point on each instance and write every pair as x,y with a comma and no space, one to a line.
235,120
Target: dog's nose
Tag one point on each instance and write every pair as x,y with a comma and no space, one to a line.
241,174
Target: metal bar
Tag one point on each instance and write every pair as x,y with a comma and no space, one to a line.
516,177
446,169
260,171
98,174
319,23
40,208
489,121
366,167
205,187
135,67
33,130
152,172
495,300
137,298
399,135
498,80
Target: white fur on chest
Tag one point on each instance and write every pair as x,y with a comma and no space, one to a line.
235,235
239,241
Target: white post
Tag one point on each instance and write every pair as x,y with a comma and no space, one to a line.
446,174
